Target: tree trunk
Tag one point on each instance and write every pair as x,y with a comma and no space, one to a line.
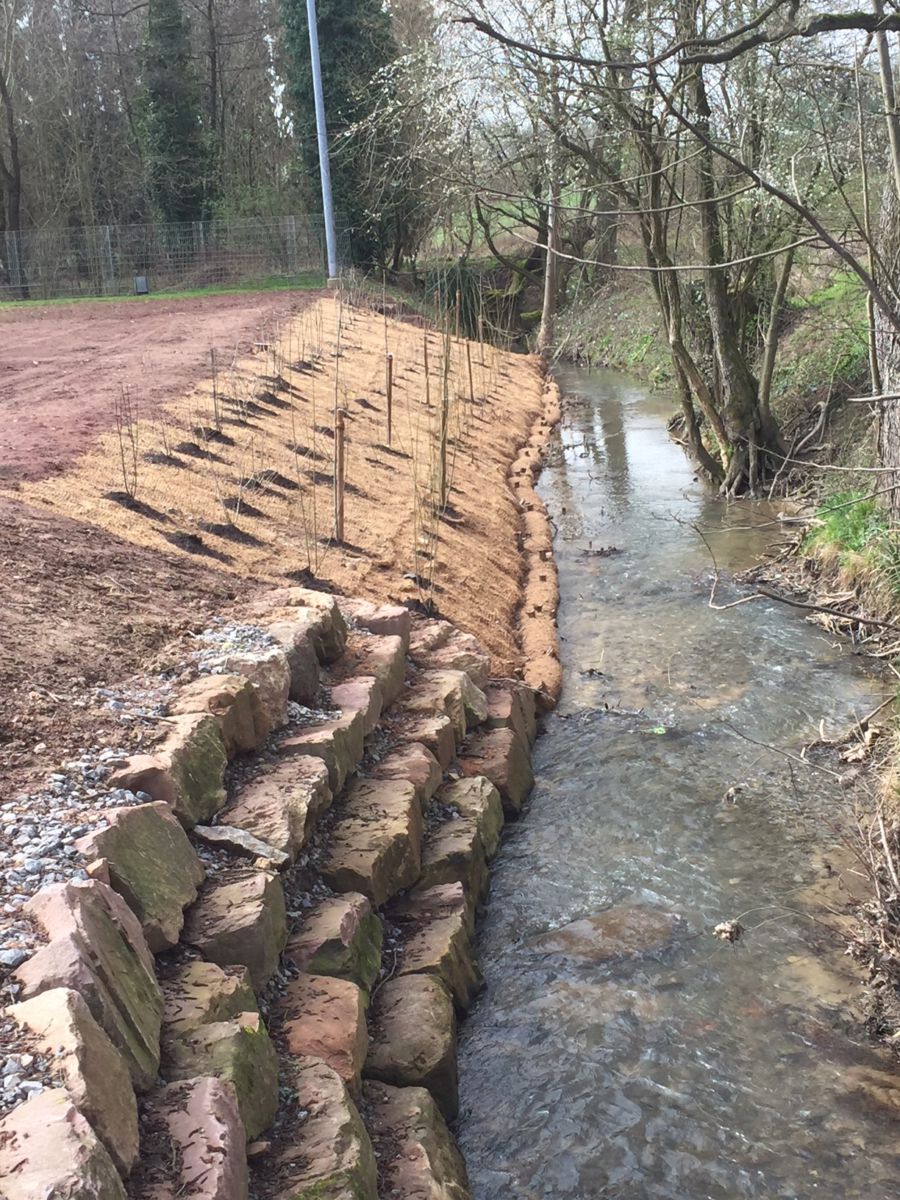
887,345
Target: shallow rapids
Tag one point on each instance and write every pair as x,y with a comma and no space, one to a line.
640,1056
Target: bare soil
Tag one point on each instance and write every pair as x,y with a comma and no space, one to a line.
63,366
237,493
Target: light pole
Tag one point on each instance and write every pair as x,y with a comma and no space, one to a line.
322,134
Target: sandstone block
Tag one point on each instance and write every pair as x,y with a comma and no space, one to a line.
194,753
501,757
240,919
436,734
330,1156
238,1051
389,620
200,993
339,743
453,853
449,694
234,702
435,927
386,660
320,610
152,865
282,806
296,640
325,1017
461,652
427,636
94,1073
376,845
363,694
201,1122
512,705
240,842
269,673
414,1038
476,797
340,936
97,949
420,1159
415,763
144,773
48,1151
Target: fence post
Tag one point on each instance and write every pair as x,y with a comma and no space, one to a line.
14,259
107,267
289,233
389,388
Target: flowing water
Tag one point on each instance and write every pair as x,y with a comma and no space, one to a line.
658,1061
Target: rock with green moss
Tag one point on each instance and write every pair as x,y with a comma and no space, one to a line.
201,993
96,947
194,753
152,865
418,1154
239,1051
339,936
329,1156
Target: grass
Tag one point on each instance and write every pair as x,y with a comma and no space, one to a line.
273,283
851,538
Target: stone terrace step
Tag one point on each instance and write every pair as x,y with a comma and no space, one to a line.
415,763
501,756
339,936
376,844
325,1017
282,804
381,656
418,1157
454,853
436,928
338,742
326,1153
240,920
197,1126
449,694
414,1038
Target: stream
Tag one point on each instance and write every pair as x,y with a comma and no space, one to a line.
649,1059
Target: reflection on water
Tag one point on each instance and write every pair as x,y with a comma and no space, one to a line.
700,1069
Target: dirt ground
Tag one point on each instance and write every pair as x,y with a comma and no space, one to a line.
63,366
216,490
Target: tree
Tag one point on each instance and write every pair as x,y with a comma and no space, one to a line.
356,43
176,146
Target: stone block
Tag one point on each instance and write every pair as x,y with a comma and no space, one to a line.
96,948
296,640
453,853
375,847
269,673
364,694
500,756
512,705
234,702
238,1051
325,1017
436,734
414,1038
194,753
338,742
330,1155
152,865
240,920
415,763
48,1151
201,993
436,939
476,797
340,936
419,1158
93,1071
388,620
282,805
385,658
199,1121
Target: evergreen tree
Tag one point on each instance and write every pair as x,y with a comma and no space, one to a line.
355,43
175,144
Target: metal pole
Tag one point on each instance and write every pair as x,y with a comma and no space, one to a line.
322,133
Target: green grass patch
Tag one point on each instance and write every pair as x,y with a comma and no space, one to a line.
851,531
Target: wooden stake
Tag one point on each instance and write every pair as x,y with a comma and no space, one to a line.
427,375
339,475
389,390
458,310
471,381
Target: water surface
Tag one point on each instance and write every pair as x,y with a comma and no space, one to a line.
701,1069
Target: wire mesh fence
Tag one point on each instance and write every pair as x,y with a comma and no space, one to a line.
117,260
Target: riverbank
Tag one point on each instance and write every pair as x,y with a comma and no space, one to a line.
186,505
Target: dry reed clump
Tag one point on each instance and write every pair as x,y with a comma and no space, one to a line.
241,472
